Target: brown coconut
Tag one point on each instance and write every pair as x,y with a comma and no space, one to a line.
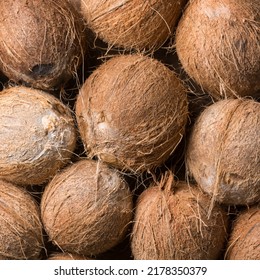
218,45
86,209
134,24
171,222
223,153
20,226
67,256
42,42
132,112
37,135
244,242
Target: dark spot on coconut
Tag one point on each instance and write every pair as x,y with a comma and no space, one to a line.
41,69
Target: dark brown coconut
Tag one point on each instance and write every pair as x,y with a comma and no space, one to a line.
134,24
42,42
223,153
218,45
67,256
86,208
37,135
132,112
171,222
244,242
20,225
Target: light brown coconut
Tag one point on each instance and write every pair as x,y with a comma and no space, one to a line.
132,112
20,226
133,24
218,45
244,242
67,256
86,209
42,42
171,222
37,135
223,153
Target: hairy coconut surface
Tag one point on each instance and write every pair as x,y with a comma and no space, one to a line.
244,242
86,208
223,153
171,222
132,112
67,256
133,24
20,225
37,135
42,42
218,45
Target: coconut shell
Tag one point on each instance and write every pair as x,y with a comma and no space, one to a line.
134,24
86,208
223,153
171,222
132,112
20,226
42,42
244,242
67,256
218,45
37,135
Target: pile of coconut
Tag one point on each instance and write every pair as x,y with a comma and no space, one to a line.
129,130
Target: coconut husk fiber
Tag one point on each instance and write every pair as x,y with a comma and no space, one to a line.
20,225
86,209
132,113
42,42
171,222
38,135
244,241
218,45
223,151
135,24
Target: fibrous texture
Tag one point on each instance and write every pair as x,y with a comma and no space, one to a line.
171,222
42,42
20,225
133,24
223,153
244,242
37,135
86,209
132,112
218,45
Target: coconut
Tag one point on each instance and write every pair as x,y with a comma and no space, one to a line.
244,240
42,42
134,24
37,135
132,112
67,256
223,153
86,208
171,222
20,226
218,45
